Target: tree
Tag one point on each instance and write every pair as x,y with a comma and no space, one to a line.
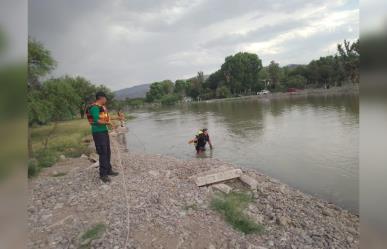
222,92
274,72
40,62
296,81
350,57
158,89
181,87
85,90
241,72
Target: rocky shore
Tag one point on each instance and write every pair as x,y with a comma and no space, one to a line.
154,203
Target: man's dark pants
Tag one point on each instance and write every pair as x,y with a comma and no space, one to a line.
102,145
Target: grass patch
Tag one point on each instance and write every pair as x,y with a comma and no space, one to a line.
91,234
66,139
59,174
33,168
231,206
192,206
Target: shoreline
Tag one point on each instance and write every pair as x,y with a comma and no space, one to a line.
162,199
343,90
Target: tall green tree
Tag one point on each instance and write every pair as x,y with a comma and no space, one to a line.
241,72
274,72
350,57
40,62
85,90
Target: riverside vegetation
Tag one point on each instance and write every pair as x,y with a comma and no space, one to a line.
243,74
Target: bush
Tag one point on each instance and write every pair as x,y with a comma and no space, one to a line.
222,92
231,206
169,99
33,168
46,158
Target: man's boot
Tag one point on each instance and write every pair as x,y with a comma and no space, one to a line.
113,173
105,179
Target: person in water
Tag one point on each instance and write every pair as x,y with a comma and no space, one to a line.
200,141
121,117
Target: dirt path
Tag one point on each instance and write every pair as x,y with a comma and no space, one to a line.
167,210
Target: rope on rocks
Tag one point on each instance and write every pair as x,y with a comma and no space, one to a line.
124,185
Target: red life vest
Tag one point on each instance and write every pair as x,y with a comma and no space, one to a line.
103,113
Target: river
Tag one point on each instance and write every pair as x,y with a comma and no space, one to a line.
309,142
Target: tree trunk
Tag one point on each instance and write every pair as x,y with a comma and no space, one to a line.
30,152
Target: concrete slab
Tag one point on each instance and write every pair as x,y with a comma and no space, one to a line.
217,177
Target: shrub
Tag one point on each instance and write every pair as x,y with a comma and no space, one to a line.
46,158
231,206
33,168
169,99
222,92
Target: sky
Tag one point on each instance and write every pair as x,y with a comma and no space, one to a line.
125,43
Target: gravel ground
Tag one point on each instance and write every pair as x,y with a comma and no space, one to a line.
154,203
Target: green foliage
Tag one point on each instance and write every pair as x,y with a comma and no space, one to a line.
169,99
40,62
33,167
159,89
274,73
181,87
296,81
222,92
46,157
350,59
68,138
241,72
93,233
231,206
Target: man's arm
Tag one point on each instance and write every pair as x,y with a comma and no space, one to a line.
209,142
192,140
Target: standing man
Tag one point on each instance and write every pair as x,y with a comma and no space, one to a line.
99,120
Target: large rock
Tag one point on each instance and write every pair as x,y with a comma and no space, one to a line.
253,184
222,187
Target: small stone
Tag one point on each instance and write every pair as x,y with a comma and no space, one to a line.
211,246
62,157
84,156
105,187
85,242
283,221
327,212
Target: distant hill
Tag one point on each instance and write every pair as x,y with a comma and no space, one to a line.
133,92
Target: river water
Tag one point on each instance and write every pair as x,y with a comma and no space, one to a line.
310,143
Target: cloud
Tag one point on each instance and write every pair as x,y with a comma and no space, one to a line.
123,43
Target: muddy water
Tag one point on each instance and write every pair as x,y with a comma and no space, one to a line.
310,143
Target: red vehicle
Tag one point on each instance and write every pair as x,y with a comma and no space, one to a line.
293,90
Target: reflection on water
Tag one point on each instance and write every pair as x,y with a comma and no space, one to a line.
310,143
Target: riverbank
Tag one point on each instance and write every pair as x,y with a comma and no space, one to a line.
154,203
347,89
